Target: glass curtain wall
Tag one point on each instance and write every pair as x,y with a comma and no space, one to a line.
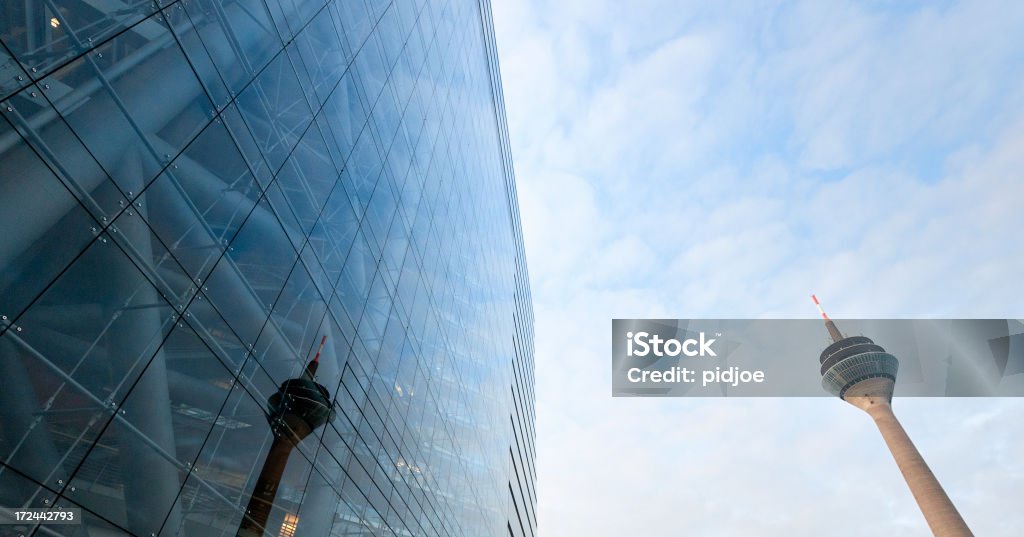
201,198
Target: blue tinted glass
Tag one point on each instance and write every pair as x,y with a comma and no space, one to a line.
262,272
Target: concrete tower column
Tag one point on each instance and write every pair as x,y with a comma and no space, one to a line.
939,511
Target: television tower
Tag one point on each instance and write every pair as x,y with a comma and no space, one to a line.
863,374
299,407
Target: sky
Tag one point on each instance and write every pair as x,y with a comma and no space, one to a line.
725,160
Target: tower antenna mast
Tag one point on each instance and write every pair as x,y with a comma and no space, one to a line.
833,331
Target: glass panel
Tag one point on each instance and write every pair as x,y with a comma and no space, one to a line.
316,272
242,137
307,178
161,427
148,432
294,330
375,316
275,110
381,207
218,488
284,213
363,169
198,204
43,37
356,20
54,143
84,343
245,283
323,52
373,73
239,37
317,512
333,234
345,114
341,317
199,41
40,212
133,133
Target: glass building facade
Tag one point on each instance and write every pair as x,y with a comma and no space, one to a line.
201,198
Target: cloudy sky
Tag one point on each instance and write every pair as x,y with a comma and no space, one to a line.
726,160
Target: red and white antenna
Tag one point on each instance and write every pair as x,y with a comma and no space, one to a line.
316,359
311,367
833,331
820,309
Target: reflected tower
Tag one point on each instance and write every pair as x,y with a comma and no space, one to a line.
863,374
297,409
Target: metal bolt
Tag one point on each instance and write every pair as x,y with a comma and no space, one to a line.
21,77
123,412
60,481
4,317
99,54
130,194
18,329
46,86
10,108
32,94
47,502
33,69
72,489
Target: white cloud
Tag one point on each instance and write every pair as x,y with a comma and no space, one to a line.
726,160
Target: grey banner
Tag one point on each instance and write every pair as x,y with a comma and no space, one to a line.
799,358
29,516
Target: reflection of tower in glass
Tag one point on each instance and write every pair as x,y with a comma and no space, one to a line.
298,408
864,375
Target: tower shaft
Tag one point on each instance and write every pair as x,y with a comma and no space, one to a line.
940,513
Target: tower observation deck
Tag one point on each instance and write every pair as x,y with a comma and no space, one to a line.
863,374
